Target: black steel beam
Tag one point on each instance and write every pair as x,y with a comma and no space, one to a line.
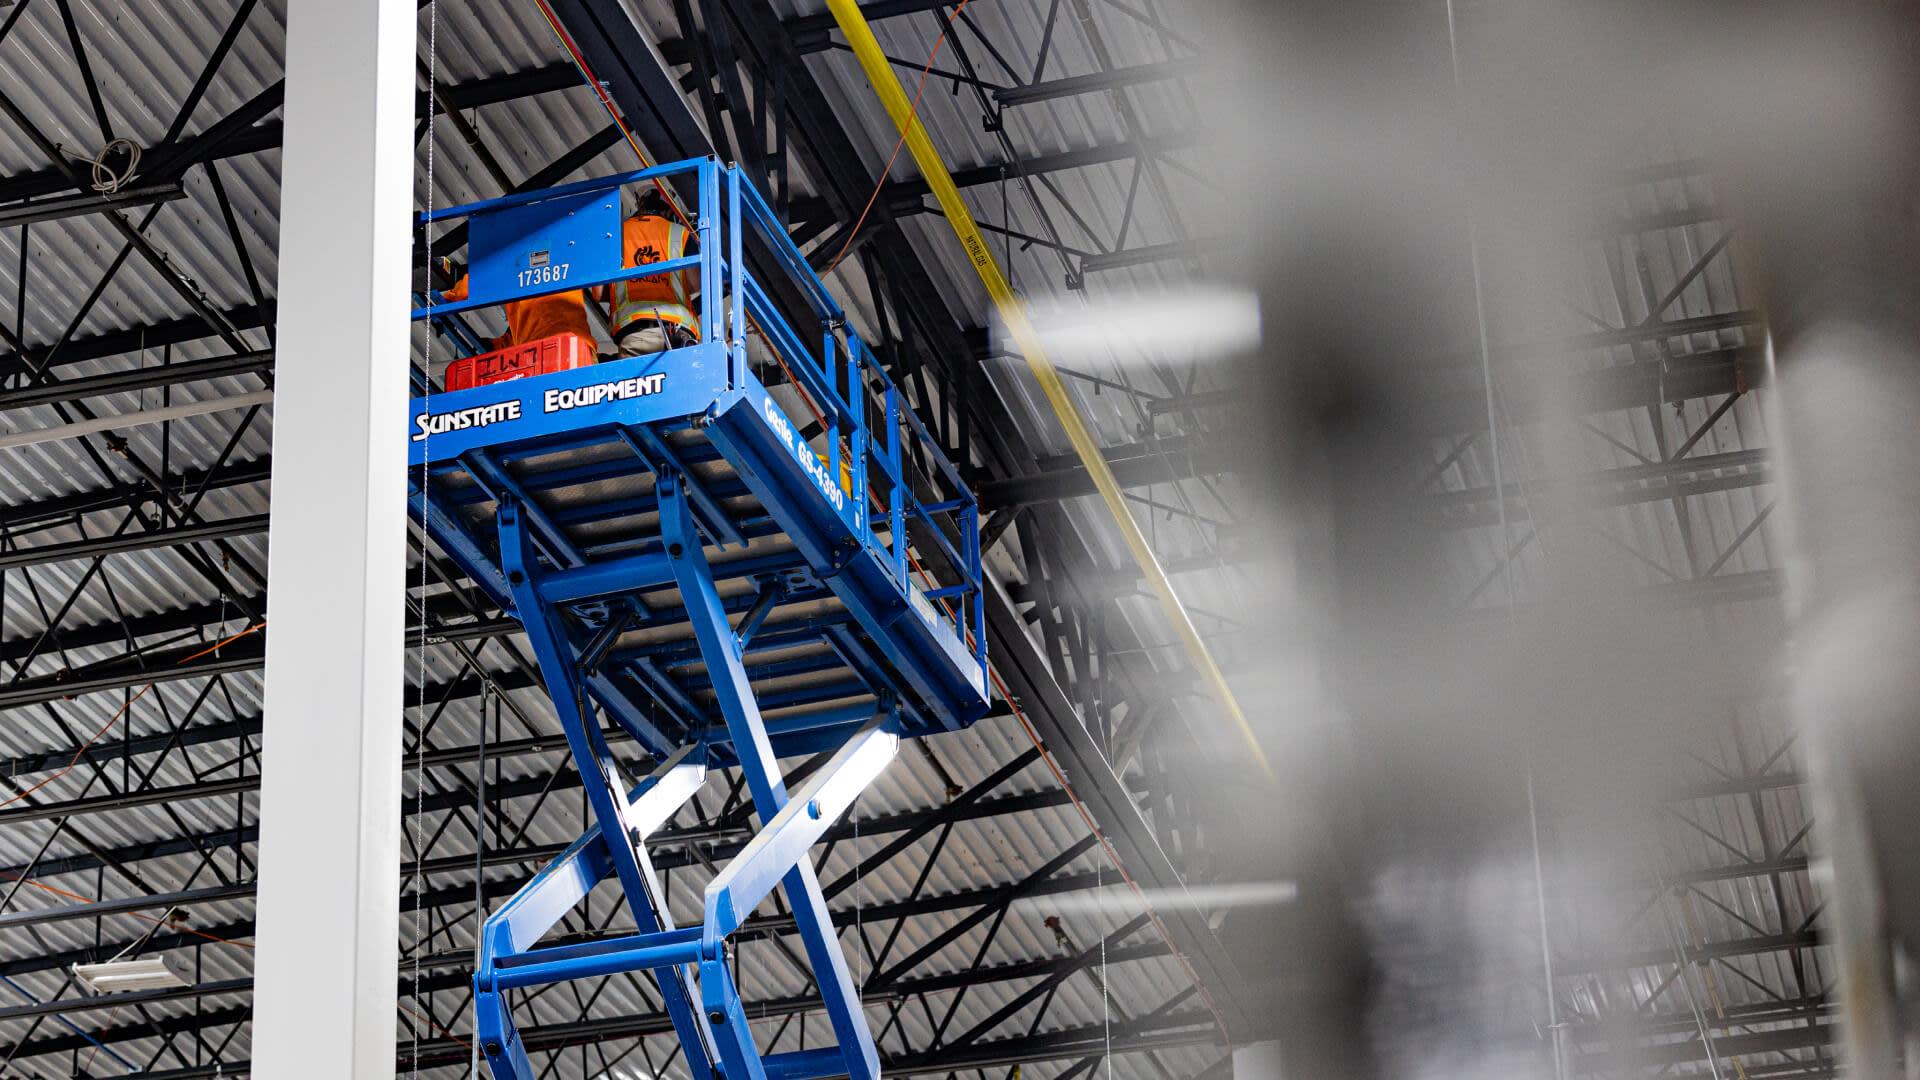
20,814
206,1020
1157,1033
1706,592
1800,1036
171,665
1134,465
1712,950
455,972
165,942
134,999
139,627
129,854
1743,785
117,543
1638,334
145,378
1610,1030
259,135
811,33
906,197
1453,400
714,838
77,205
101,908
1703,875
152,336
648,97
1074,85
1070,1042
1625,486
62,508
1153,253
167,666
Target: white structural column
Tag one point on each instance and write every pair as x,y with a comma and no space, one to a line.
327,953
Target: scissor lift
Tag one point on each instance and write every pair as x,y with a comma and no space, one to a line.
689,566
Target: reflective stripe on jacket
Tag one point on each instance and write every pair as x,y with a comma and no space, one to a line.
662,298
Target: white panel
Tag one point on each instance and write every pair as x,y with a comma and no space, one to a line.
327,958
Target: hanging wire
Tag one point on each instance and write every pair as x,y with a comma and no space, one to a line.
480,841
108,180
1486,353
1106,995
1506,552
420,647
859,902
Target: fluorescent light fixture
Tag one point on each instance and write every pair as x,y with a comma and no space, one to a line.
1120,900
657,805
1130,330
116,976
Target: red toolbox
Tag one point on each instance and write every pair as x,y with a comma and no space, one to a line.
560,352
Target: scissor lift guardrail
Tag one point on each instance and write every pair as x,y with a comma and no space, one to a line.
686,563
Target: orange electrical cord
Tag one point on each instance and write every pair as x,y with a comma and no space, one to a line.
427,1020
586,73
121,711
134,914
902,141
600,92
78,754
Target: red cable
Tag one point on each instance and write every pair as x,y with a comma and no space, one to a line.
912,113
1165,935
600,92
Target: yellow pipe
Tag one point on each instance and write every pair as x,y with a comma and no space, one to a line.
1012,312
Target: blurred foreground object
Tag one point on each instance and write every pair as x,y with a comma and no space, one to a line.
1423,192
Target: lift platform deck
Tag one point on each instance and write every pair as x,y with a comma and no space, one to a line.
722,568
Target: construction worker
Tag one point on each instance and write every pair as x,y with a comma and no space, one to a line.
653,314
538,317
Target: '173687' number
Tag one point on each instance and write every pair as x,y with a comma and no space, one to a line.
541,275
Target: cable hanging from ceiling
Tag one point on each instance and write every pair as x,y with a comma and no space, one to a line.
420,645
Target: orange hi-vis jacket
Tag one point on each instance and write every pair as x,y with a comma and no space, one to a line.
662,298
539,317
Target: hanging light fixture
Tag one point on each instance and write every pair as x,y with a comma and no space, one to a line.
123,972
117,976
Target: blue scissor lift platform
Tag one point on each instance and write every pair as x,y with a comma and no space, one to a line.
689,565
